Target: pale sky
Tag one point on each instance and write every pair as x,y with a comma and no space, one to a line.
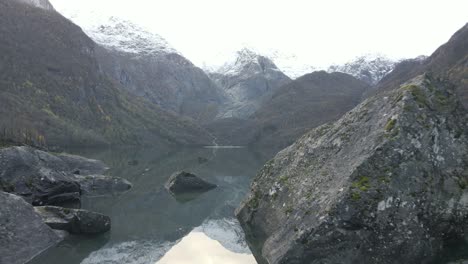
318,32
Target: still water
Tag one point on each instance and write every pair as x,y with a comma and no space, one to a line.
151,226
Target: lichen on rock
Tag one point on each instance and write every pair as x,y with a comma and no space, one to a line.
384,184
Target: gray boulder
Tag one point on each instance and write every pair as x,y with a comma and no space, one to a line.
45,179
387,183
183,182
97,185
81,165
75,221
39,177
23,234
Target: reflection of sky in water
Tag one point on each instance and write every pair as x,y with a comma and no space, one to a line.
147,222
198,248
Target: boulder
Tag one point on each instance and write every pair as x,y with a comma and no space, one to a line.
23,234
81,165
75,221
42,178
183,182
39,177
387,183
96,185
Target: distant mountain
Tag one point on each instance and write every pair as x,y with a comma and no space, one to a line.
52,90
294,108
247,80
368,68
147,66
449,61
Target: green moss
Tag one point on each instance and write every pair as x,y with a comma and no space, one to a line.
417,94
355,196
390,125
283,179
362,184
255,201
384,179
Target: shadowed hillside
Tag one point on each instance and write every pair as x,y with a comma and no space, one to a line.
52,91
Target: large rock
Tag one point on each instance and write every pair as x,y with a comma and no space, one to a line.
39,177
81,165
23,234
45,179
387,183
75,221
97,185
183,182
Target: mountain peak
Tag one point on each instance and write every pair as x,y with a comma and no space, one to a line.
246,60
370,68
123,35
119,34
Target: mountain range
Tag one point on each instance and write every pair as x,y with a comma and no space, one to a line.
54,92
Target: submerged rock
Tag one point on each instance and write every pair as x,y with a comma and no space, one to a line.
183,182
75,221
23,234
387,183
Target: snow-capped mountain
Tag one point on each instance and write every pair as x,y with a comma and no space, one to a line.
369,68
123,35
247,79
291,64
146,65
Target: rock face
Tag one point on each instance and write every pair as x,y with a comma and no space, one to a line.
75,221
45,179
23,234
248,80
387,183
184,182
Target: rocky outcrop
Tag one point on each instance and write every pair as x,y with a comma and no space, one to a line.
387,183
23,234
448,61
247,80
45,179
74,221
183,182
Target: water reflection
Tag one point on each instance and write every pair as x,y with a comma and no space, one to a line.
147,221
198,248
